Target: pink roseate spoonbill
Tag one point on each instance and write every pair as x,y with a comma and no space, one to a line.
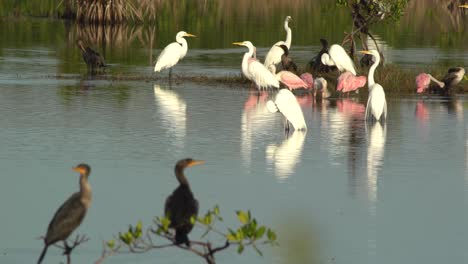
376,104
348,82
172,53
254,70
286,103
308,79
291,80
338,57
320,85
423,80
273,56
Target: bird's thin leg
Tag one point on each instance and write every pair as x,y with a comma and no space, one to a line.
170,73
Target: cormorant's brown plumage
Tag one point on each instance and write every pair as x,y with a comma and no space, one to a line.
286,62
70,215
92,58
181,205
316,64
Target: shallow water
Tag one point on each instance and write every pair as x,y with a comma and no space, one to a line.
392,194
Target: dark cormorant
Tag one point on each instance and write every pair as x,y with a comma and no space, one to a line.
181,205
316,62
453,77
286,62
70,215
92,58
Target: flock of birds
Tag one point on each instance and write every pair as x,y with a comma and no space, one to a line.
181,205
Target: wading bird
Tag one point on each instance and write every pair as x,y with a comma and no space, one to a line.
286,103
254,70
338,57
320,86
70,214
316,62
453,77
464,6
93,59
376,104
286,63
172,53
423,80
181,205
273,56
308,79
348,82
291,80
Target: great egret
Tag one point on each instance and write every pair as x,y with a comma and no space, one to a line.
286,103
348,82
423,80
92,58
181,205
286,62
308,79
70,214
464,6
273,56
291,80
338,57
376,104
172,53
254,70
320,85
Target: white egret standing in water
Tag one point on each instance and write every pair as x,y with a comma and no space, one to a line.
273,56
338,57
376,103
254,70
286,103
172,53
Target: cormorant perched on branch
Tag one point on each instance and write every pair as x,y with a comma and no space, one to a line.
181,205
70,215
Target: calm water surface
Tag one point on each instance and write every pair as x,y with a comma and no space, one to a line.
369,194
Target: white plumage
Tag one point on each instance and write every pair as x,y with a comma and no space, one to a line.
376,104
173,52
286,103
254,70
273,56
338,57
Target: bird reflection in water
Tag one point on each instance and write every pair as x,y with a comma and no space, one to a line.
454,107
255,120
173,114
377,134
286,156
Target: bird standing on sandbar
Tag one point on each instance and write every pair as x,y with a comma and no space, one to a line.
172,53
181,205
70,215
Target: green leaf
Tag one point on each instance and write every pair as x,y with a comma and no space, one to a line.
192,220
207,220
216,210
139,226
240,249
271,235
243,217
111,244
231,237
260,232
165,222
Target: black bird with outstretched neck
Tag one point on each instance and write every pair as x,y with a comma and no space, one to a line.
286,62
181,205
316,64
93,59
70,214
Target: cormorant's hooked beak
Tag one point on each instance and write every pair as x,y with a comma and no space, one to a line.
238,43
463,6
365,52
195,162
79,170
189,35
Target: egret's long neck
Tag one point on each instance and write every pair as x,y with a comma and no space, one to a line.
179,172
370,79
441,84
85,191
245,60
182,42
288,34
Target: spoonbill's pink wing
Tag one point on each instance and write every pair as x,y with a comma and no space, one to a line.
343,81
356,82
308,79
291,80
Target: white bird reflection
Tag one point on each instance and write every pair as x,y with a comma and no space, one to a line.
286,156
377,135
255,123
173,113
